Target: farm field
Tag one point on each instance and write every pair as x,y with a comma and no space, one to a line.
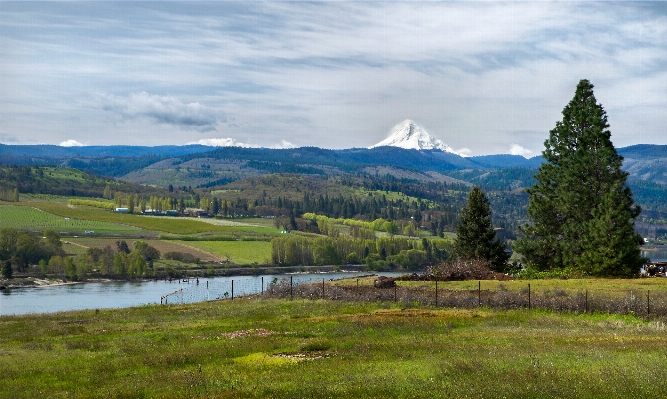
168,225
161,245
28,218
257,225
258,348
240,252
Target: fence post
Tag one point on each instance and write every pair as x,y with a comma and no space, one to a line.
436,292
479,293
291,293
395,292
528,296
232,290
322,288
262,284
648,302
586,300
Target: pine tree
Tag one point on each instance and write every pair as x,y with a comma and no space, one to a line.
580,207
475,236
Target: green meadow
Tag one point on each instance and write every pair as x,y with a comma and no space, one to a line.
28,218
168,225
268,348
239,252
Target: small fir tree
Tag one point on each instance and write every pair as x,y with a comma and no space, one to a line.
475,236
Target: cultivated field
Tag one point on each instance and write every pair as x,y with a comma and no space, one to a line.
254,348
256,225
239,252
168,225
163,246
28,218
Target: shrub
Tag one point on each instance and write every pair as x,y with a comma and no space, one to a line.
463,269
181,257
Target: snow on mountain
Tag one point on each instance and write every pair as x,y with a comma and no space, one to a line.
410,136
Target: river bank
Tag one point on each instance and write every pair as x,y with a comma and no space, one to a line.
34,282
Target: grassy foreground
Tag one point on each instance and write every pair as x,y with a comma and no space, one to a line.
249,348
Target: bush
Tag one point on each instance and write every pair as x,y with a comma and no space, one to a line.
463,269
182,257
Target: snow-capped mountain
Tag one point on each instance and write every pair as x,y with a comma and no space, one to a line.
409,135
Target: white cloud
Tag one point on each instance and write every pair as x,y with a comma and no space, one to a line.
329,74
464,152
70,143
283,144
164,110
230,142
516,149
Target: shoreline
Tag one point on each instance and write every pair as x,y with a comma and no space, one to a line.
36,282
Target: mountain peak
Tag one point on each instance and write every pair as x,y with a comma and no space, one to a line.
411,136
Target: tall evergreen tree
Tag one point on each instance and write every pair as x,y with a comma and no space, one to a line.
475,236
580,207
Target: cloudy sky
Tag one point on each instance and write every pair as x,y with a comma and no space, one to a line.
483,77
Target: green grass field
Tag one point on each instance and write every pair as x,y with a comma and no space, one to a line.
240,252
255,225
28,218
250,348
163,246
168,225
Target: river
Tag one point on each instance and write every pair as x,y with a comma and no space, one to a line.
59,298
656,254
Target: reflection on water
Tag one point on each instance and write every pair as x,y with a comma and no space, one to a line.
126,294
656,255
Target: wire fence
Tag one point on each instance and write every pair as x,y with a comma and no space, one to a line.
643,303
199,290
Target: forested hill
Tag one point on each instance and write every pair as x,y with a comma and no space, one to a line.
29,179
349,160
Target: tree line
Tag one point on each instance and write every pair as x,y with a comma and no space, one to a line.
380,253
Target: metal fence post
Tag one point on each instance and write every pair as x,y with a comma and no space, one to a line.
322,288
262,285
232,290
436,293
395,292
291,293
648,302
586,300
528,296
479,293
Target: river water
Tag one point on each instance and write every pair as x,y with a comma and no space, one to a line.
656,255
126,294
